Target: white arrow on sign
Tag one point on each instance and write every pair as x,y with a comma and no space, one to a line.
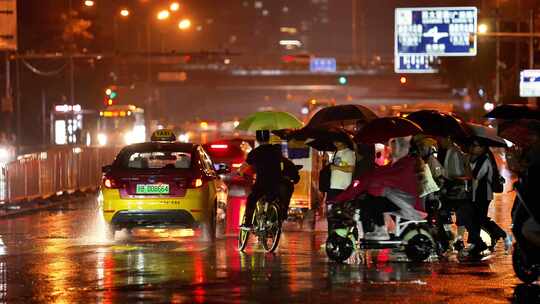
434,33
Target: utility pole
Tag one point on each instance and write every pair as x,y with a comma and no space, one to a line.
71,64
498,56
517,46
18,128
148,110
531,100
531,40
72,92
363,34
354,25
44,141
8,103
8,42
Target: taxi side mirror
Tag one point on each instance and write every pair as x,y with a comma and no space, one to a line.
106,169
222,169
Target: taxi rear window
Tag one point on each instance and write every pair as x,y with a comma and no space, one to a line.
157,160
223,150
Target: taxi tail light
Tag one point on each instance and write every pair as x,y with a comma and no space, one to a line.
237,163
111,183
196,183
219,147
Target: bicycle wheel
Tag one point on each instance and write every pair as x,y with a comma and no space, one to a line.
243,235
272,229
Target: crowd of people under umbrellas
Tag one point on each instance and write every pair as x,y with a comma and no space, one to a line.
437,164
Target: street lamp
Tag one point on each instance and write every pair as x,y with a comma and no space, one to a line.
175,6
482,28
403,80
163,15
184,24
497,34
124,12
89,3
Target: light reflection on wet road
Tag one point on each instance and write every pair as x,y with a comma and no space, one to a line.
60,257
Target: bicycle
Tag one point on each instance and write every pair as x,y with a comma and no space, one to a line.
266,225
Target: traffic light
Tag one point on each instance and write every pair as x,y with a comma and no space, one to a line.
342,80
111,94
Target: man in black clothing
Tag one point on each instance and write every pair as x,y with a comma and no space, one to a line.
275,175
526,228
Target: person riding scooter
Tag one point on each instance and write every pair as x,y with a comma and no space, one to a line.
391,188
526,212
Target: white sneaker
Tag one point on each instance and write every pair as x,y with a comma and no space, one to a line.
379,234
508,243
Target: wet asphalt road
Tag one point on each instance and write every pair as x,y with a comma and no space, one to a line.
61,256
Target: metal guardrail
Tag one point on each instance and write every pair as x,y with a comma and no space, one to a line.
57,170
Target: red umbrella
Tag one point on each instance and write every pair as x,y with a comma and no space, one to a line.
381,130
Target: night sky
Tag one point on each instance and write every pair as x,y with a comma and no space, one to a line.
233,25
243,26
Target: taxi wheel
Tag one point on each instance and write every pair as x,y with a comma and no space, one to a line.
110,232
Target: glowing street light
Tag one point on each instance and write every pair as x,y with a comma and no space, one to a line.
175,6
124,12
489,106
163,15
184,24
482,28
89,3
403,80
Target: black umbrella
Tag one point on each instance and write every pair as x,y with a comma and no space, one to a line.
337,116
324,140
440,124
299,134
487,136
382,129
284,134
519,131
318,139
515,111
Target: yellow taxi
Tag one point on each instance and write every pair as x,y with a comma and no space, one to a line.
162,183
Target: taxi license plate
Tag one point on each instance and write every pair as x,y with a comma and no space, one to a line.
152,189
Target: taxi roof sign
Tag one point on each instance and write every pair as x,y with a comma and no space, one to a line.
163,135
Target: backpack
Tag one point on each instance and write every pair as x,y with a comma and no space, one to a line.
365,160
497,182
324,178
290,170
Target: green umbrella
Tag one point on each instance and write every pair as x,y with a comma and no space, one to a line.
269,120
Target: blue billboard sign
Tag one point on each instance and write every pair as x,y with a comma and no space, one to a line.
436,31
415,64
529,83
322,65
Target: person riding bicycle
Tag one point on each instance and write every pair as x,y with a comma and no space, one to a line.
275,176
